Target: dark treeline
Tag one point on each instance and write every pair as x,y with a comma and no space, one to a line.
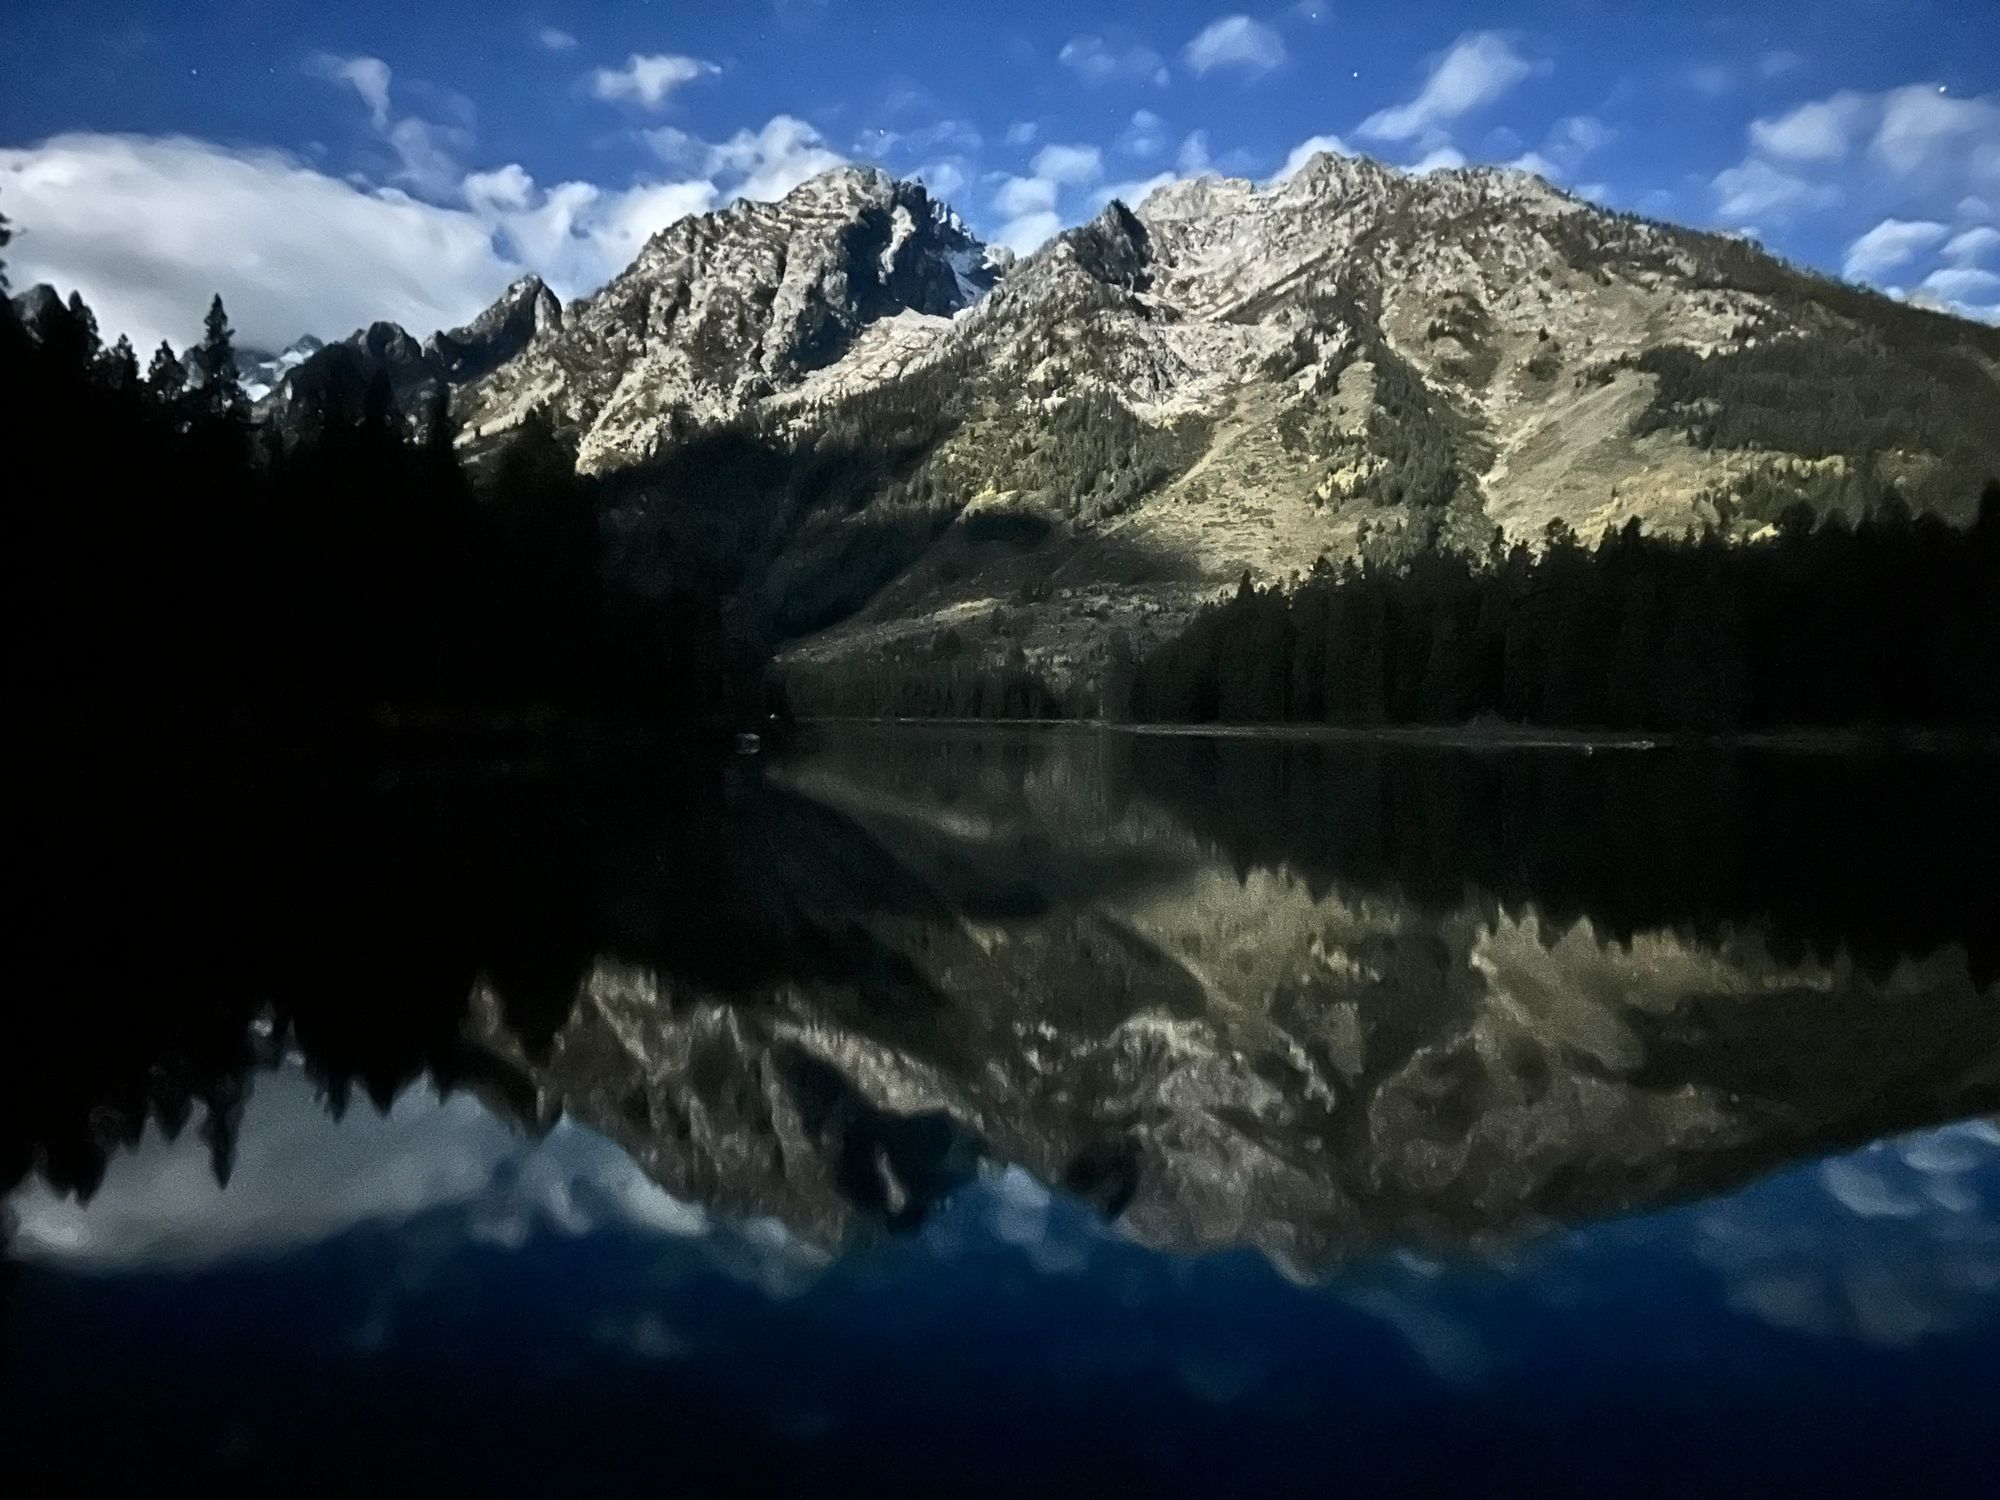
1892,621
191,917
937,681
165,555
1880,858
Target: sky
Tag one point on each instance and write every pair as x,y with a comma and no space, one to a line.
323,166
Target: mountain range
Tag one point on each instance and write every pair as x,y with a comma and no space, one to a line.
903,441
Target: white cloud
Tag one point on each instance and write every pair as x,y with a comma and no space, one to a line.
1540,165
367,76
1022,133
426,152
1756,187
1964,285
1030,232
1145,136
1479,68
945,179
507,189
1819,131
1020,196
1578,136
1779,64
757,164
1235,42
1570,142
1443,159
1973,245
1029,204
1305,151
1914,153
1193,158
148,229
556,39
1924,130
1890,244
648,80
1073,165
1099,61
1136,192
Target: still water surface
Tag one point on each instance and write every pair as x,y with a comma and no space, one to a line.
936,1110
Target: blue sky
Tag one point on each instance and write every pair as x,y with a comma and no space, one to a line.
322,165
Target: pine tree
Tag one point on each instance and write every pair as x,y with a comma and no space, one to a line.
214,361
86,341
166,376
121,366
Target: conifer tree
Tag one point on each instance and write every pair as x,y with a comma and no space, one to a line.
121,366
214,361
166,376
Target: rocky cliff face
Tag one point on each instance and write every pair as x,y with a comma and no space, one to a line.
1225,378
723,311
1231,378
310,377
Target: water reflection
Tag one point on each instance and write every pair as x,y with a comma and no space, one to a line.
841,1051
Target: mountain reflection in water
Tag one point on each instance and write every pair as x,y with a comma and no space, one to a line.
1404,1108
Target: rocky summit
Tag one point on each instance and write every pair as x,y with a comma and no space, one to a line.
922,446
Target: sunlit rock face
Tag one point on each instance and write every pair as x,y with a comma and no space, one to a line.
1029,960
723,310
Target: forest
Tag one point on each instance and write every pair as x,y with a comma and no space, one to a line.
169,560
1894,621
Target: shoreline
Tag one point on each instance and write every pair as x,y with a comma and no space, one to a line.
1866,741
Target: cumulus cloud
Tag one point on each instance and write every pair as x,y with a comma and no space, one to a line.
1135,192
1890,244
757,164
1235,42
1072,165
1905,143
1908,161
1964,286
1821,130
556,39
1479,68
367,76
1145,136
648,79
149,229
505,189
1442,159
1025,195
946,178
1756,187
1029,204
1305,151
1097,60
1973,245
1570,142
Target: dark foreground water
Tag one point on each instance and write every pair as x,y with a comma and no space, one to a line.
1054,1112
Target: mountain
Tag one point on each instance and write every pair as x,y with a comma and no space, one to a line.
263,371
310,376
904,444
723,311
